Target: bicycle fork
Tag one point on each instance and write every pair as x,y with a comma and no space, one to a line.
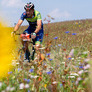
26,51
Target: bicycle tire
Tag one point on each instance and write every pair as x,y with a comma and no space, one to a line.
21,55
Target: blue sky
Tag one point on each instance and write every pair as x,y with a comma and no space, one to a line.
61,10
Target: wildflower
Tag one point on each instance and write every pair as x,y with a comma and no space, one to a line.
31,70
87,66
80,72
67,32
86,52
71,76
33,76
81,67
63,62
17,63
55,37
49,72
76,82
46,34
0,84
12,89
59,45
50,59
69,58
74,33
71,52
28,90
72,58
79,78
86,60
9,72
21,86
54,82
75,74
64,49
8,88
45,85
19,69
27,80
26,85
47,54
61,85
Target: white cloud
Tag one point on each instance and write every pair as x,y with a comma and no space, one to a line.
56,13
12,3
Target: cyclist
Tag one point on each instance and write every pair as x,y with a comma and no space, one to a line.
35,26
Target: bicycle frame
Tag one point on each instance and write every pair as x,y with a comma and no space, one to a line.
26,40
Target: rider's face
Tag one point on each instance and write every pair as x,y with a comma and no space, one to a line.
29,12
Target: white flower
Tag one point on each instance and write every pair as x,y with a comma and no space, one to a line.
63,62
76,82
79,78
33,76
86,60
71,52
72,58
21,86
17,63
75,74
79,57
0,84
86,52
80,72
12,89
87,66
26,85
54,82
8,88
71,76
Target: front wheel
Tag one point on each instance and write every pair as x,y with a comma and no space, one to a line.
21,55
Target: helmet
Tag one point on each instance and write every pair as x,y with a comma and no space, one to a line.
29,6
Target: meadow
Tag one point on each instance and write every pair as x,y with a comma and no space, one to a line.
67,61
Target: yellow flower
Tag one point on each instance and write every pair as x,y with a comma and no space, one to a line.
6,47
45,85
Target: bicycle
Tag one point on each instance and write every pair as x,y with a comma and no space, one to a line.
33,53
23,55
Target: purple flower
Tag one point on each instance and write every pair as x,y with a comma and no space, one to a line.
69,58
27,80
74,33
47,54
19,69
81,67
31,70
59,45
55,37
9,72
50,59
28,90
49,72
61,85
67,32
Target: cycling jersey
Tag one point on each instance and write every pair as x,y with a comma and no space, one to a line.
32,21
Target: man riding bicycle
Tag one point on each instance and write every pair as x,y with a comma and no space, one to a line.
35,26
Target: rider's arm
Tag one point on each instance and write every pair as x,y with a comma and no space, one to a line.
18,25
39,23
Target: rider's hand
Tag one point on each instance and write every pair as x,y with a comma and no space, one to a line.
33,35
13,33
